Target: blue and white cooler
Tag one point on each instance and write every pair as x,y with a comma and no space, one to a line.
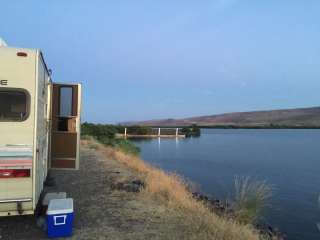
60,217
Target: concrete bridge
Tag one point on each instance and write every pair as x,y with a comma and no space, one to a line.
156,133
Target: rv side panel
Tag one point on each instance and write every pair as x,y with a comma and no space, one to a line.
17,133
41,128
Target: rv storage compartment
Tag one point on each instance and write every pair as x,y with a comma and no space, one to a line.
60,217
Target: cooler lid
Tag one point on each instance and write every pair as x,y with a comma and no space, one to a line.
60,206
53,195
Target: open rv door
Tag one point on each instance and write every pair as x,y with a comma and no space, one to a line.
65,126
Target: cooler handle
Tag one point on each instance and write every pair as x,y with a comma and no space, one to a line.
59,220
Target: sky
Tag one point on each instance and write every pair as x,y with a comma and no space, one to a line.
140,60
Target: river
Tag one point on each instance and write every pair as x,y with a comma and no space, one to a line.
289,160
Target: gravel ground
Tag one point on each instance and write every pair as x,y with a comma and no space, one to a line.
101,212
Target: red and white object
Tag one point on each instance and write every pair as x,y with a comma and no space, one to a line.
15,161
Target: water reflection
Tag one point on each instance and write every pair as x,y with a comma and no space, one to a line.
177,143
159,144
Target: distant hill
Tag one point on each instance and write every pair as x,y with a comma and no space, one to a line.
299,117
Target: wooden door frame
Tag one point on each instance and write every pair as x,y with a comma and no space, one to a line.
77,118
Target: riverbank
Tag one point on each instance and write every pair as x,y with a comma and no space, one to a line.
168,196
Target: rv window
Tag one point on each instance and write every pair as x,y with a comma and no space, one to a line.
65,101
13,105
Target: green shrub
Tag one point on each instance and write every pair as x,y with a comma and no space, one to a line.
127,146
196,132
193,131
106,135
119,128
139,130
98,130
107,141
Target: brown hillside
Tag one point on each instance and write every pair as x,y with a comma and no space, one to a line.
286,117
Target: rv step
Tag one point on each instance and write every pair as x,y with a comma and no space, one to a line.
15,200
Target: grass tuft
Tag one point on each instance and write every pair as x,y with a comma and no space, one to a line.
251,198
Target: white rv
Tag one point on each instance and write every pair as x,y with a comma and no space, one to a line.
39,128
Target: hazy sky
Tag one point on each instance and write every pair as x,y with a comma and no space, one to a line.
161,59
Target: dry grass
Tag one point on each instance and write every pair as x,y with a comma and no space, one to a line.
171,191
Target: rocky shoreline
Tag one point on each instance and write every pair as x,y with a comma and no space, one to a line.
225,209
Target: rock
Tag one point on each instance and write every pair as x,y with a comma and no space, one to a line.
133,186
139,183
200,196
270,232
195,195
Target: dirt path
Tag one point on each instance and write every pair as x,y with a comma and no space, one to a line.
101,212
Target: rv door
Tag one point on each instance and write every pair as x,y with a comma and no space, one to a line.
65,126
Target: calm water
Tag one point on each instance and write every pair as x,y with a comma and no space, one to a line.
287,159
